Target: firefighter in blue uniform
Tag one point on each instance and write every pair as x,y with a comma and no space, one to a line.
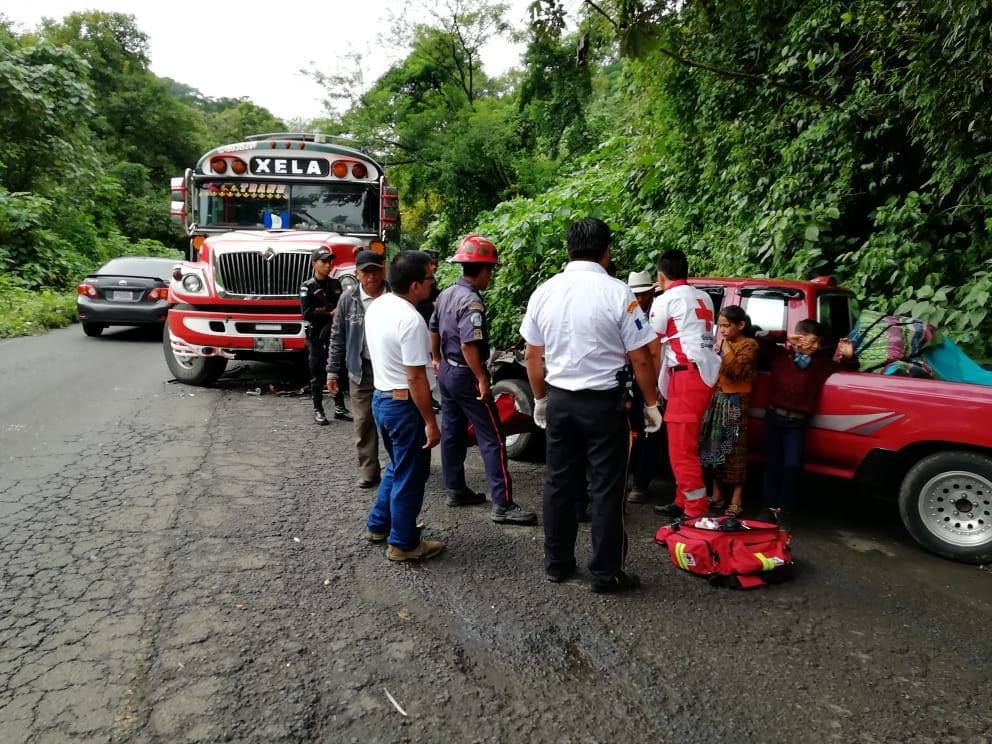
318,299
460,349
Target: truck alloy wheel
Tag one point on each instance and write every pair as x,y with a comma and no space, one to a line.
946,504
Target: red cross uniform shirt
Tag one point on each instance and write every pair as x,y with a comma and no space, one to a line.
683,320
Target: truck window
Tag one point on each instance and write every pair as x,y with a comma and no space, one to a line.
766,313
837,312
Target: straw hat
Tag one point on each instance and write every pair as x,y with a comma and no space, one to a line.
640,281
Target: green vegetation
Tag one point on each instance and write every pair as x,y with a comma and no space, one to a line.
88,140
790,138
787,137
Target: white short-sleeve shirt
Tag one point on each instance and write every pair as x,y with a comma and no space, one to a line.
586,321
397,338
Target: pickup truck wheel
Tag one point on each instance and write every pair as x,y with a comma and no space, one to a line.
530,444
946,504
199,371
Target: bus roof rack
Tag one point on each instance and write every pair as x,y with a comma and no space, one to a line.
299,137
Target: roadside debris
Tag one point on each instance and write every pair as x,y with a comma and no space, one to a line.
395,704
404,613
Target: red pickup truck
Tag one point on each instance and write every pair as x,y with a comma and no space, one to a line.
928,436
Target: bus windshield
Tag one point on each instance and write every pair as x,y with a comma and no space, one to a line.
338,207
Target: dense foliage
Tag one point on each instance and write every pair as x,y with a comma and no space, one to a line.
89,137
789,138
782,137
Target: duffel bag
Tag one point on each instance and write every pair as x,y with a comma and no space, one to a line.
740,553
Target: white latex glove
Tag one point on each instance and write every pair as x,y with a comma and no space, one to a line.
652,419
541,412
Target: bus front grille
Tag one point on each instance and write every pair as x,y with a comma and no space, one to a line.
263,273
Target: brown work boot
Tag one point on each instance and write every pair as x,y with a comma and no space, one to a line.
426,549
376,537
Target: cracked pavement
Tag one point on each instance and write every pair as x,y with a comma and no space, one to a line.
182,564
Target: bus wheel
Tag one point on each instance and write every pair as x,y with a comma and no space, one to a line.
946,504
199,371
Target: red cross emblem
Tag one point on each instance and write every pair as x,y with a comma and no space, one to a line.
704,313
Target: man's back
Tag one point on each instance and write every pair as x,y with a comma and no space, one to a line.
587,321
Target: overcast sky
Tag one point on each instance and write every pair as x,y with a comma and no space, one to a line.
233,50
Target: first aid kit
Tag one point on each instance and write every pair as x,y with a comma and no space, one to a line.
739,553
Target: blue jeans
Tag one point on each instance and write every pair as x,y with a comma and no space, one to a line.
401,492
785,446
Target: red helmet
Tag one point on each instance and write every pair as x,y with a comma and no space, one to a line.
475,249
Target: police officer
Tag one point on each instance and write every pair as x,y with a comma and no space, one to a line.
585,324
460,349
318,298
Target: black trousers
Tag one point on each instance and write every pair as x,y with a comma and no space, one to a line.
588,427
317,351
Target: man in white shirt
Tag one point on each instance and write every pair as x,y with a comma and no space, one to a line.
398,344
683,320
585,324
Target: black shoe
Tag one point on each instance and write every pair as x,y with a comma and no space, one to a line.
671,511
582,515
319,418
558,575
368,482
512,514
637,496
341,414
621,582
468,497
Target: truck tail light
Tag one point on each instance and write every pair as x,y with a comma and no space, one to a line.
87,289
339,168
218,165
238,166
359,171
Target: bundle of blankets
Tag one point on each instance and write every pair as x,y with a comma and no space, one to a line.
909,347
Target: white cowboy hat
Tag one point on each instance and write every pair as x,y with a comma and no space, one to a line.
640,281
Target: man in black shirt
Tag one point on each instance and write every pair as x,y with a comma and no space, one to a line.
318,298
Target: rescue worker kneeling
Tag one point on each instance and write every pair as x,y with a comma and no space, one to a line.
460,348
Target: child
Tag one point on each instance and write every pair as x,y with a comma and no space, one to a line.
723,438
798,373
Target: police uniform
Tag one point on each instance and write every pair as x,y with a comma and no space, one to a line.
683,320
587,323
459,318
318,299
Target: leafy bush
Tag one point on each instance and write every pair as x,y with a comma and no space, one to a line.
24,312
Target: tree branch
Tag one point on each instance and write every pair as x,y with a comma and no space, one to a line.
751,77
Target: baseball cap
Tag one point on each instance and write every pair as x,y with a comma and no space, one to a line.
368,260
320,254
640,281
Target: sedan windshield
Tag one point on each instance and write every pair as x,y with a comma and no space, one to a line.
338,207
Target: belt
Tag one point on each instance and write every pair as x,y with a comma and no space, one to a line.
397,394
453,363
682,368
787,414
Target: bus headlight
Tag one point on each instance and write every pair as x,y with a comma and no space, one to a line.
192,283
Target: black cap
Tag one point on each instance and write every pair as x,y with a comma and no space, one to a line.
432,255
321,253
369,259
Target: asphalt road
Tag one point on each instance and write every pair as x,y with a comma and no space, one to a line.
183,564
